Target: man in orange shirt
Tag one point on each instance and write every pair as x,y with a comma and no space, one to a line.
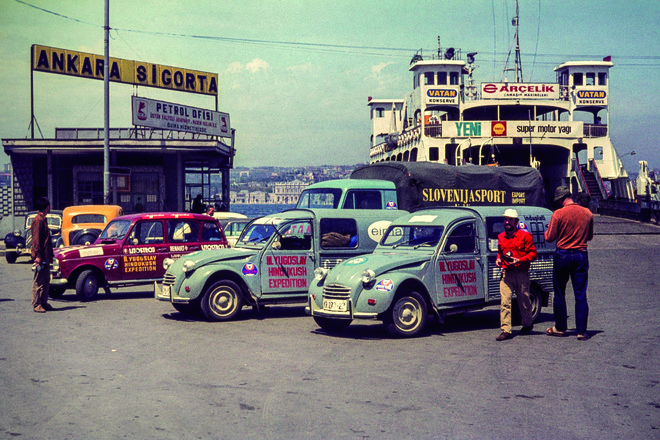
515,252
571,226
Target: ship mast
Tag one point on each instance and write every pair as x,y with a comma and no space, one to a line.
518,62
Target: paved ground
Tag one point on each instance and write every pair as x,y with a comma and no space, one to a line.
127,366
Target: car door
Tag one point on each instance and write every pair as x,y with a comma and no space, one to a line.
287,265
144,251
459,266
182,237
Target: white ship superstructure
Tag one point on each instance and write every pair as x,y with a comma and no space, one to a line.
560,128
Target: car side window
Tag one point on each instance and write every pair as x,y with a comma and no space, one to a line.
297,236
363,200
338,233
462,239
147,232
211,232
182,231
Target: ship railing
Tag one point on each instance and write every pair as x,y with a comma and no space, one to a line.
434,130
595,130
128,133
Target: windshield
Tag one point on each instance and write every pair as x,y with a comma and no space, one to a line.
52,220
412,236
319,198
116,230
256,234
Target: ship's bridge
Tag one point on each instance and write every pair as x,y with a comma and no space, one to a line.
437,88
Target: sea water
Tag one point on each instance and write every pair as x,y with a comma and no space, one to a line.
260,209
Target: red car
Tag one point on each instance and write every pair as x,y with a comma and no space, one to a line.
130,251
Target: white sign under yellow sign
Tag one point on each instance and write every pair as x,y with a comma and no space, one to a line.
170,116
86,65
548,129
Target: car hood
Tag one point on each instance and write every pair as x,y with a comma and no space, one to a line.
380,263
82,251
201,258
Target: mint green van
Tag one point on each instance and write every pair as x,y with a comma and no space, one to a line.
273,261
349,194
431,262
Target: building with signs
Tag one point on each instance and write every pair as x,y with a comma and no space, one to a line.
171,153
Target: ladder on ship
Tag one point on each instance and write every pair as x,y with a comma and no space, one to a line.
591,182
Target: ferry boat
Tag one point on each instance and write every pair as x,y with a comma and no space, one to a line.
560,128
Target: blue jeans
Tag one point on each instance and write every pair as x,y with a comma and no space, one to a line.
573,264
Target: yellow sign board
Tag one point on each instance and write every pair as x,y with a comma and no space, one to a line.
86,65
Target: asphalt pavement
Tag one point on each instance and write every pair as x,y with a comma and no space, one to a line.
128,366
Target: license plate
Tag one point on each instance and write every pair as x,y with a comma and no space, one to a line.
166,290
335,305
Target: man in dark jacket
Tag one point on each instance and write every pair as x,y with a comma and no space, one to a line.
42,254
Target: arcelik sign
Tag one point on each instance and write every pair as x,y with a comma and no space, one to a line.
85,65
519,91
170,116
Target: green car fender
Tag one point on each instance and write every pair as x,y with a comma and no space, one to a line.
198,281
377,296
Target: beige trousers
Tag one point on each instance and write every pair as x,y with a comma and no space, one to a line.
515,281
40,285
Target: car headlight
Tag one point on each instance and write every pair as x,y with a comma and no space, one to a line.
167,262
188,266
56,264
320,273
368,276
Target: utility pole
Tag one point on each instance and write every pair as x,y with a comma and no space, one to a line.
106,107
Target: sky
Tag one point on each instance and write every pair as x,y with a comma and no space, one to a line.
295,75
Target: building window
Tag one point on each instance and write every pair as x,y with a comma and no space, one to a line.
429,78
453,78
90,192
602,79
380,112
591,79
442,78
434,154
577,79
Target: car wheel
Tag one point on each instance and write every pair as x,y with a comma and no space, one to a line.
407,315
85,239
186,309
11,257
332,325
56,292
87,285
222,301
536,298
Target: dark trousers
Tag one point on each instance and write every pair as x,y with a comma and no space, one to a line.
574,265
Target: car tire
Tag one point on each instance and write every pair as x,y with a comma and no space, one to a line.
87,285
407,315
186,309
222,301
85,239
332,325
11,257
536,298
56,292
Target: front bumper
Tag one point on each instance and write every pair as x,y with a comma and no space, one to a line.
164,293
314,310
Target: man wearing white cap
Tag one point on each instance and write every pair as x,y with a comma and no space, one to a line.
515,252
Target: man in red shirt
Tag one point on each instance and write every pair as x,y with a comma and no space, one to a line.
571,226
515,252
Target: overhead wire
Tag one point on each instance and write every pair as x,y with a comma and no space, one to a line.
361,50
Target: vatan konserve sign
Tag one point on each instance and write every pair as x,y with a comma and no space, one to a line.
170,116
